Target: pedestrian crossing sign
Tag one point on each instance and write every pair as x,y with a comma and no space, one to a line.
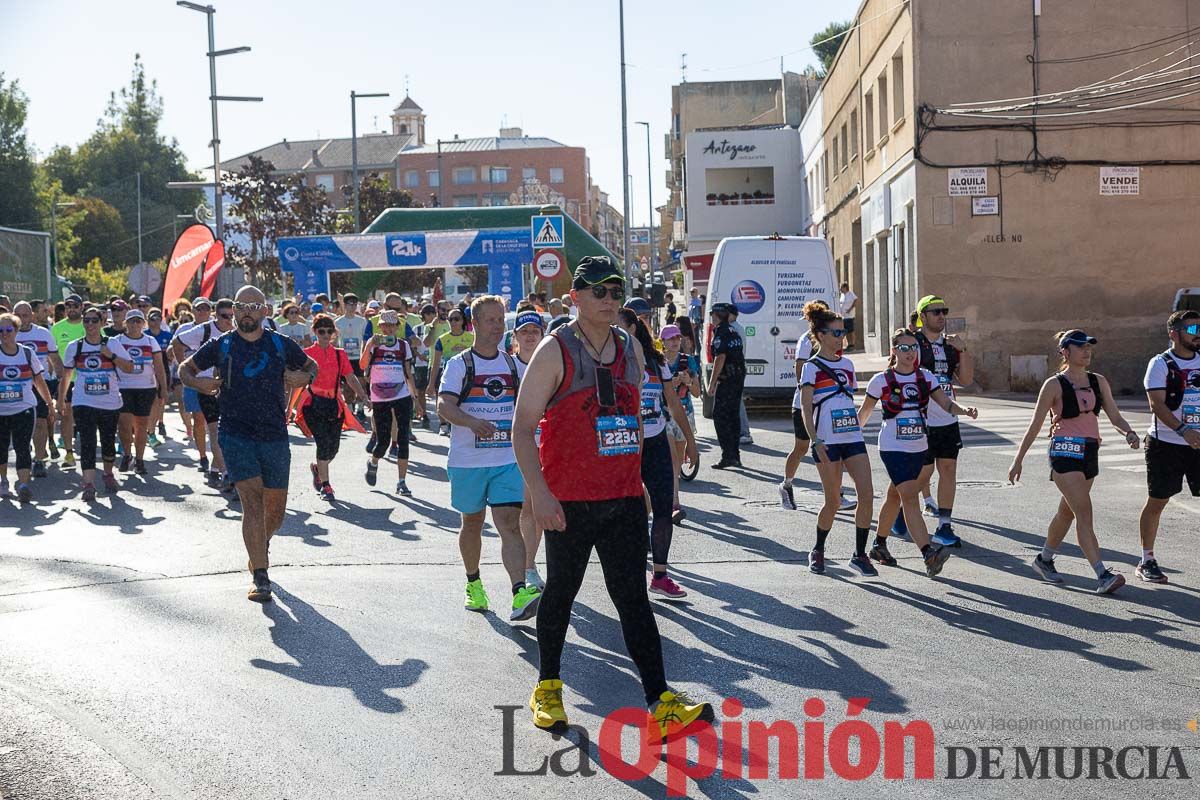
546,231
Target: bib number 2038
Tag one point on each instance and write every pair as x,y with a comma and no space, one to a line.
617,435
1067,447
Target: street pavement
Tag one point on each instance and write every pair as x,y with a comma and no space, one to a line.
132,666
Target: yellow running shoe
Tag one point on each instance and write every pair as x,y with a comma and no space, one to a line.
675,710
547,706
69,460
477,599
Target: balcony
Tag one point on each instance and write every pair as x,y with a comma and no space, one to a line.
756,198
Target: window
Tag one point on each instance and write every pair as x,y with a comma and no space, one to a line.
739,186
529,173
498,174
854,134
412,178
433,178
898,86
825,171
883,106
835,151
869,287
324,182
464,200
463,175
556,175
869,119
845,146
495,199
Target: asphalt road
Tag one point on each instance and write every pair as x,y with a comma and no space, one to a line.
132,666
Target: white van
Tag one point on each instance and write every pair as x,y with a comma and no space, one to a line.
769,279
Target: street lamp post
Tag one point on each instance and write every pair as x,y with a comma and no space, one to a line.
213,53
354,152
650,203
624,143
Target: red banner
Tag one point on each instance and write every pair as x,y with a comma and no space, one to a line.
212,268
186,257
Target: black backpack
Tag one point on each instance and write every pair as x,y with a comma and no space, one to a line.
469,373
927,359
1174,382
892,402
1070,403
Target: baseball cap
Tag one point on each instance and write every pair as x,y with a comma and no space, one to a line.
638,305
135,314
722,308
428,308
201,301
528,318
73,298
145,298
1076,337
669,332
118,305
389,316
317,308
373,304
596,269
928,300
154,314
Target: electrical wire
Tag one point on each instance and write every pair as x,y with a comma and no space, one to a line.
1124,50
1074,113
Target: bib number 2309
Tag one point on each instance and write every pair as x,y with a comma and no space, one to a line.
617,435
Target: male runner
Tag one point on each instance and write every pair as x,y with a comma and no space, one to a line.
251,368
46,348
206,411
477,397
353,329
65,331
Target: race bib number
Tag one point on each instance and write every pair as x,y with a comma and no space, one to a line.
352,346
94,385
617,435
1191,414
910,428
501,438
650,402
139,364
11,392
844,420
1067,447
946,385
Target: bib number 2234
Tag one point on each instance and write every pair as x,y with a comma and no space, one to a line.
617,435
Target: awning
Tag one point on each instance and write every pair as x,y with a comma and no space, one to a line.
699,264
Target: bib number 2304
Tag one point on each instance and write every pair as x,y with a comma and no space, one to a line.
617,435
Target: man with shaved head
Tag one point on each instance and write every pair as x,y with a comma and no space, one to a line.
252,369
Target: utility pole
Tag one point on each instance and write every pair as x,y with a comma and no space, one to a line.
139,209
650,231
625,150
354,153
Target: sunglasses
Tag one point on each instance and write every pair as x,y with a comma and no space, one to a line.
8,330
835,332
1191,330
905,348
941,312
225,316
249,306
615,292
91,320
71,305
323,330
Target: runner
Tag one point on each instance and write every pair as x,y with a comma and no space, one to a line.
256,366
1074,398
787,497
20,377
163,335
903,391
323,412
141,388
352,330
46,349
187,318
117,309
527,334
477,396
204,407
95,394
295,327
948,358
387,360
586,485
1173,442
65,331
447,346
728,378
827,386
426,334
659,404
685,382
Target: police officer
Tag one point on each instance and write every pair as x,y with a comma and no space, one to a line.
726,384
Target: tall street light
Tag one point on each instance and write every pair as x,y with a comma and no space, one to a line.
213,97
650,237
354,151
624,145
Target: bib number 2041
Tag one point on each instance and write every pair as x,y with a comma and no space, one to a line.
617,435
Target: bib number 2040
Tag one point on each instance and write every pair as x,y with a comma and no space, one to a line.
845,420
617,435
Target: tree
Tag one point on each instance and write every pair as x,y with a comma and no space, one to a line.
376,195
100,232
17,202
97,282
825,43
48,192
260,214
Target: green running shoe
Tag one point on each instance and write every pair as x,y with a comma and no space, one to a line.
477,599
525,603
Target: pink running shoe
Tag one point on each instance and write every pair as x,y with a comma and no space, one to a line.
667,588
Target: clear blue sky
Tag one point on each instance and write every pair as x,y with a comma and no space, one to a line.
551,68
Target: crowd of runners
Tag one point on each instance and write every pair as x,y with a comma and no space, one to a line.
571,420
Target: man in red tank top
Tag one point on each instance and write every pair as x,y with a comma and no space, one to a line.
584,387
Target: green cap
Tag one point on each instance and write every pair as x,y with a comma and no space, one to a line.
928,300
596,269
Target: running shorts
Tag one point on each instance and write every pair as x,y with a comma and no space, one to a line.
472,489
138,402
1089,465
798,425
1167,465
944,442
902,467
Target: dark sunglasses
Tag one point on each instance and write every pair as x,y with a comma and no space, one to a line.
835,332
906,348
1191,330
91,320
8,330
225,316
323,330
600,291
941,312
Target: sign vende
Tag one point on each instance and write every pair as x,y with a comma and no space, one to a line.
1120,180
548,264
968,181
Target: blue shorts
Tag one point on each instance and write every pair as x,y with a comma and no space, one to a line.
191,400
472,489
247,458
902,467
841,452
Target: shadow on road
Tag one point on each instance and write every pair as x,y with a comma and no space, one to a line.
329,656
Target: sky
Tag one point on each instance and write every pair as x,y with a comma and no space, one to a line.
549,67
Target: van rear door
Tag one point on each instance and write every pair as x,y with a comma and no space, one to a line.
752,290
803,272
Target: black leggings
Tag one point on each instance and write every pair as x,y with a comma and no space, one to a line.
88,422
17,429
324,418
381,413
617,529
727,406
658,475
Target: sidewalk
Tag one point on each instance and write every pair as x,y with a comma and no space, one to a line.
866,365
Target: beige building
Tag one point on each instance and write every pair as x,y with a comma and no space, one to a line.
1034,197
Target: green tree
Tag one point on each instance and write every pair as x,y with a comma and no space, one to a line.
260,214
376,195
48,192
18,207
825,43
96,281
100,231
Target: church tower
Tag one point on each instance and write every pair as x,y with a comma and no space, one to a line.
408,118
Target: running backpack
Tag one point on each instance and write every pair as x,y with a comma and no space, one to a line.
1070,402
225,343
837,379
892,402
75,363
1174,382
468,358
928,361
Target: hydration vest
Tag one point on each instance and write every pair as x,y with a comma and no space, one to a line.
927,360
893,402
1174,382
468,358
1070,402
